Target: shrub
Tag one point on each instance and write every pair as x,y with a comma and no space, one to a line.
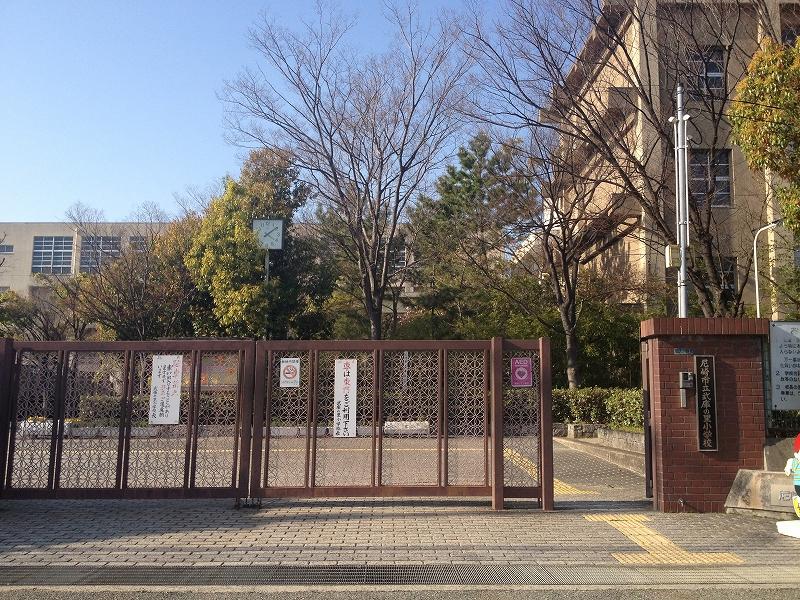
561,411
625,408
616,407
104,411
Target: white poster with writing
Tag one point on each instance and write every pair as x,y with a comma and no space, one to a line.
165,389
290,372
344,397
784,359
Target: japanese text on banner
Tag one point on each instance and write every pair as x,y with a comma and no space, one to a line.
165,389
344,397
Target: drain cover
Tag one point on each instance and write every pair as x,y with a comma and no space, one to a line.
449,574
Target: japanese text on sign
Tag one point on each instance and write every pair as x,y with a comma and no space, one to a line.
290,373
784,359
344,397
165,389
521,372
706,403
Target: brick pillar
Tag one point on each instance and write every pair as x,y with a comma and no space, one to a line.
684,478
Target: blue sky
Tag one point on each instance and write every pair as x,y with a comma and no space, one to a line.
114,103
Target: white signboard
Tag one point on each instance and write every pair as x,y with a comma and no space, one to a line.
344,397
165,389
784,360
290,372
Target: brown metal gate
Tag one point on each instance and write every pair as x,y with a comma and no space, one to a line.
434,418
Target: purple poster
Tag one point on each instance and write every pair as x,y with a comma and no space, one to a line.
521,372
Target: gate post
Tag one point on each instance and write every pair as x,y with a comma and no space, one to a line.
496,379
546,420
6,364
703,435
247,422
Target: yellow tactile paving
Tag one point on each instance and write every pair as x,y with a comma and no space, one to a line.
559,487
658,549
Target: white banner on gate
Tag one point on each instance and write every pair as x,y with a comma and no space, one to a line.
784,359
165,389
344,397
290,372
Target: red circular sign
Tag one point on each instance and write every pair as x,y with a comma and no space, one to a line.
290,371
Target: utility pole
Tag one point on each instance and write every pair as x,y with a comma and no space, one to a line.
681,199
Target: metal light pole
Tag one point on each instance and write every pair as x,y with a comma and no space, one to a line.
681,199
755,260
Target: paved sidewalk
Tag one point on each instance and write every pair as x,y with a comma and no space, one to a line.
602,534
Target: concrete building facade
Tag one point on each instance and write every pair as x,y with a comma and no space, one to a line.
624,80
31,250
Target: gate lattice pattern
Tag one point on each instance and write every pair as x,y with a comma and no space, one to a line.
287,424
411,395
39,378
432,418
467,418
94,400
521,427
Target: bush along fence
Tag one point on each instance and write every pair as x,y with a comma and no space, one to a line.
618,408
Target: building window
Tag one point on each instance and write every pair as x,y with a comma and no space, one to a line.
138,243
790,24
52,254
6,249
710,177
96,249
728,275
707,72
789,34
398,259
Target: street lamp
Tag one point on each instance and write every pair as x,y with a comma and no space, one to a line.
755,260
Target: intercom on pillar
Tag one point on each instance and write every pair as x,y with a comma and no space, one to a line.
686,383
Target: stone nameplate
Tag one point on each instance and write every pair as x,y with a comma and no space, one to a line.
706,382
781,494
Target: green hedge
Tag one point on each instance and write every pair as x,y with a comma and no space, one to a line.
616,407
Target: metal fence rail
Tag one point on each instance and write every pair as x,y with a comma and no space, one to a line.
433,418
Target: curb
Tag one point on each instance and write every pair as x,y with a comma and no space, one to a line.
626,459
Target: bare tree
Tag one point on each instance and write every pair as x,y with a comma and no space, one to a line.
132,279
2,259
543,217
366,132
44,315
602,77
574,228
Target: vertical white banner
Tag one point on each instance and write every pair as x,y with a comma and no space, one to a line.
784,359
344,397
165,389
